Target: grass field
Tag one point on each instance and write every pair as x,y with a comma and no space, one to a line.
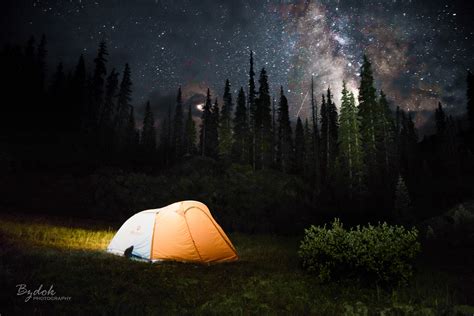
267,280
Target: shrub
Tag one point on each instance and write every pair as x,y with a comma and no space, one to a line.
455,227
380,253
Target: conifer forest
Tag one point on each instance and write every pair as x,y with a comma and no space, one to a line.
331,141
354,157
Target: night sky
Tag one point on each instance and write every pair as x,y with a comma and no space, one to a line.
420,49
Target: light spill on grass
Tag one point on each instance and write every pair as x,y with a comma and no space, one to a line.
50,235
267,280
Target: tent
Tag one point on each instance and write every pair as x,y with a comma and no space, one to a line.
183,231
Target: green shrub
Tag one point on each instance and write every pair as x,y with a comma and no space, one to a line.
380,253
455,227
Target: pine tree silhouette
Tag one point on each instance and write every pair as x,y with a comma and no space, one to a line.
350,150
213,131
190,134
299,152
225,128
263,124
284,154
107,117
403,211
178,128
148,139
313,151
205,133
97,91
241,131
440,119
252,109
368,119
124,97
79,94
132,135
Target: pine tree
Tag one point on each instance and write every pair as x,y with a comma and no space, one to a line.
165,140
58,97
29,68
225,124
274,133
368,119
111,87
350,150
178,127
132,134
41,62
308,163
408,147
29,64
205,137
148,139
448,156
107,119
402,208
97,88
252,109
398,121
190,134
314,155
284,138
30,51
26,76
324,141
263,123
241,130
329,132
299,151
441,140
214,130
123,106
386,146
440,119
451,153
58,84
79,94
333,129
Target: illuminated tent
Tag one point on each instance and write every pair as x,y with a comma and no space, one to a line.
183,231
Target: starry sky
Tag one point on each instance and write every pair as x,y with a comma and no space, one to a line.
420,50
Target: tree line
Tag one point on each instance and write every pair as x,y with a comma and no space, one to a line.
366,154
83,111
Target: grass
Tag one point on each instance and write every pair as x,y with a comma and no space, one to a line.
267,280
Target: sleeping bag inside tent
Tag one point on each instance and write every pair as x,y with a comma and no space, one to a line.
183,231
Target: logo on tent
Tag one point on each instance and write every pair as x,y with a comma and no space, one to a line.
137,230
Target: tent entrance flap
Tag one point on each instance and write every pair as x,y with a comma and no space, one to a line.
136,232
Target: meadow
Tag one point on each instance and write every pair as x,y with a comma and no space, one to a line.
69,254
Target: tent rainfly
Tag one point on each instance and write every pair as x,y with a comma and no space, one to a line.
183,231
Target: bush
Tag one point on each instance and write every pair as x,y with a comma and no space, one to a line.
454,228
380,253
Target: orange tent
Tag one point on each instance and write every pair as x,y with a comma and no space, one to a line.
183,231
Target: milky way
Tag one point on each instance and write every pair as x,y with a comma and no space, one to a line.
420,50
419,55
